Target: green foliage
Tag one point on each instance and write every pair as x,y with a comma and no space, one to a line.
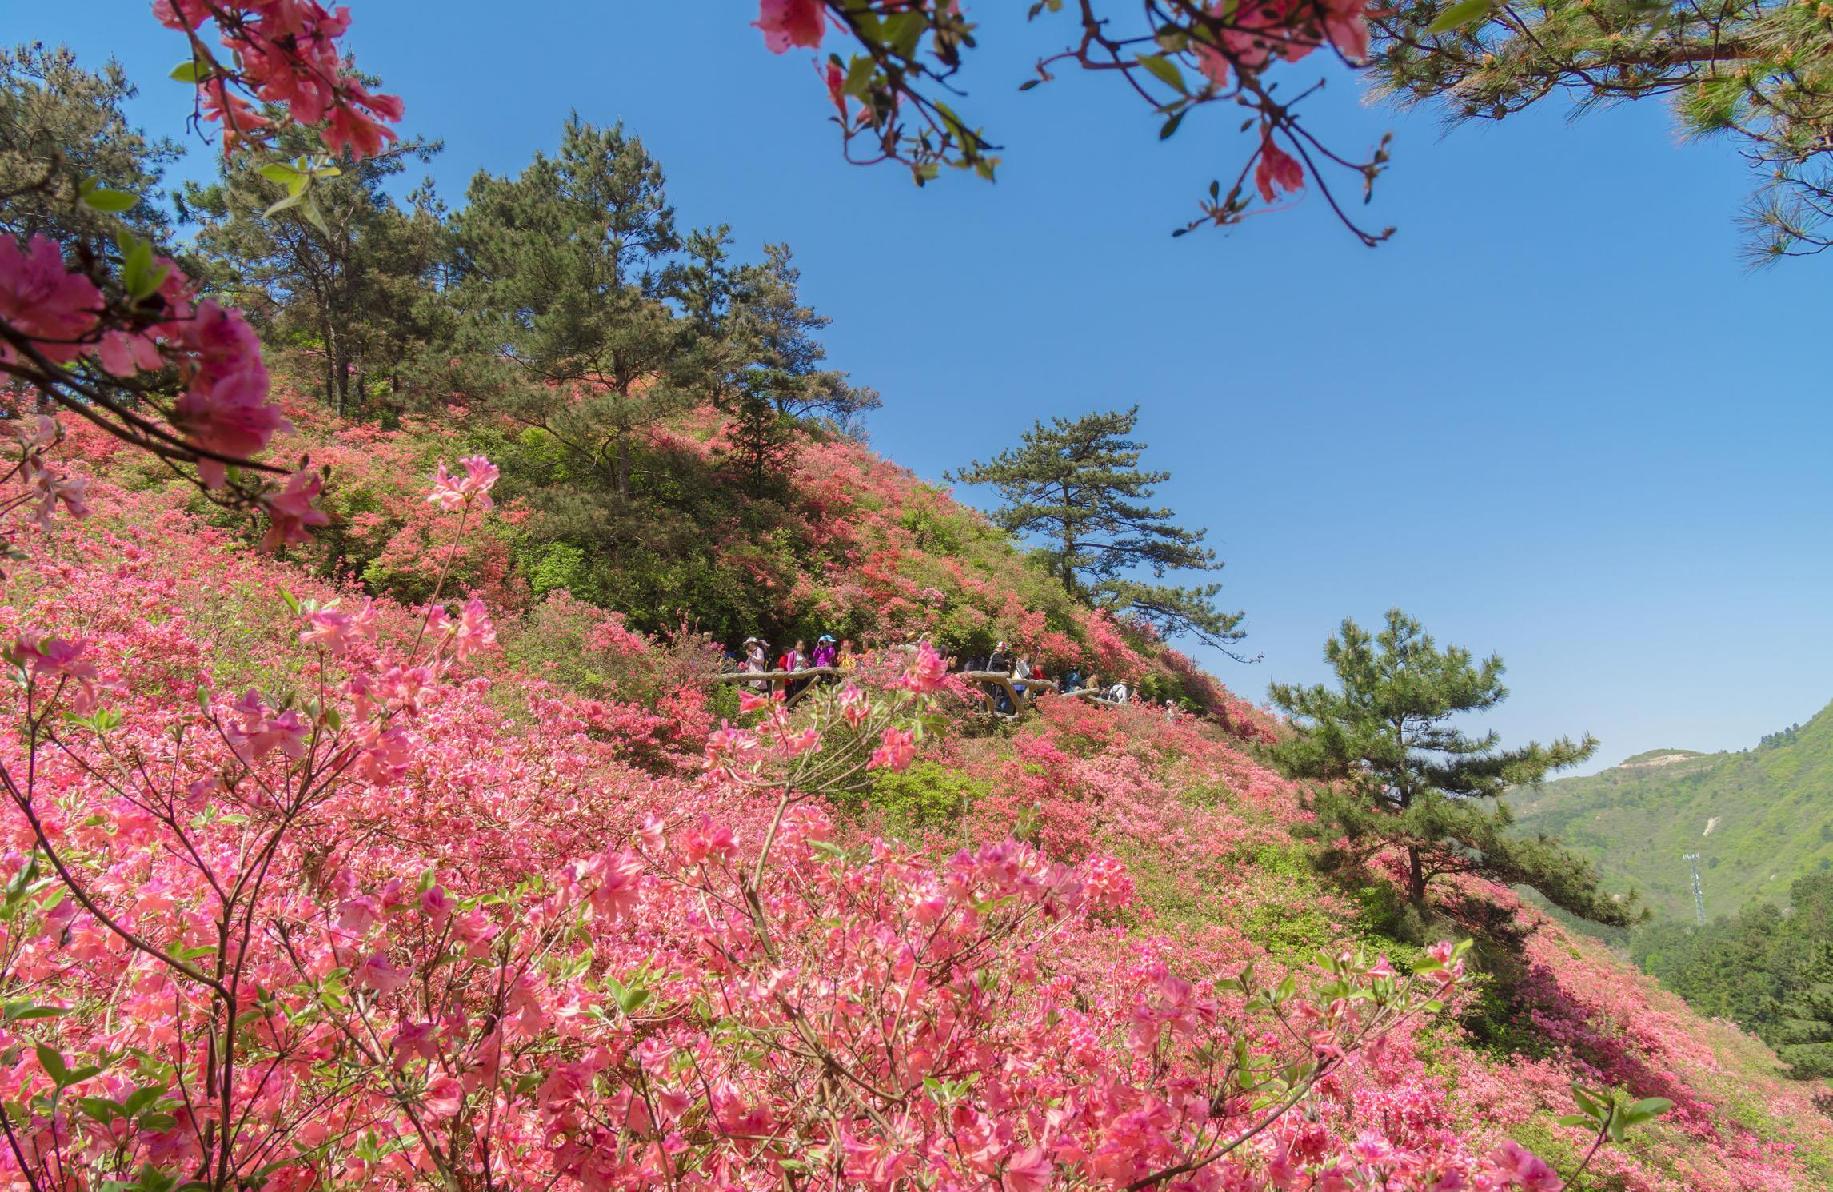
1077,484
1756,71
561,566
1401,774
64,131
344,273
926,795
1769,971
1759,819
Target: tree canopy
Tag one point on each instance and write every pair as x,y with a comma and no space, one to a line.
63,127
1769,970
1076,484
353,279
1404,774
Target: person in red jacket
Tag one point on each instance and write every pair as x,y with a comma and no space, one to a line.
794,659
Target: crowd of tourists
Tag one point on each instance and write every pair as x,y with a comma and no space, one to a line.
831,658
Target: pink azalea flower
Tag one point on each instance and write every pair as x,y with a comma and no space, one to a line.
1346,24
381,974
357,915
123,353
927,672
454,492
42,299
1524,1168
896,750
34,433
291,510
336,630
416,1039
1029,1170
620,885
1276,170
61,659
435,903
224,408
789,23
444,1096
58,487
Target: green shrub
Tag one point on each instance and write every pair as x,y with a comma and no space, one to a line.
927,795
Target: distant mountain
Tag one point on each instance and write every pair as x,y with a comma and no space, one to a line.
1758,819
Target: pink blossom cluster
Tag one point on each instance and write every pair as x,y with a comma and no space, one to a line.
223,414
40,483
281,52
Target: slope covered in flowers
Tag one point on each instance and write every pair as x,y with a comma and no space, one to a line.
849,544
494,900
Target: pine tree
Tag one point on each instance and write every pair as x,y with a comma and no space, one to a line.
780,330
62,126
1804,1033
1077,485
566,272
1405,776
354,280
754,355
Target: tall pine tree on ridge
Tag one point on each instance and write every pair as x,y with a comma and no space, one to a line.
1077,484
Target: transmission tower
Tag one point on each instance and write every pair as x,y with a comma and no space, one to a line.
1699,890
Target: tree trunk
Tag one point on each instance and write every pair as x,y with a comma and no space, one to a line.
330,370
1416,878
623,466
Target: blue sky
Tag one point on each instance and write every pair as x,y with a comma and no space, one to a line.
1555,417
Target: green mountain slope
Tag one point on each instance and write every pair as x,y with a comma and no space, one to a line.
1759,819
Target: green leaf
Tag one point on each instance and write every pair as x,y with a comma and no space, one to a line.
1170,126
903,31
279,171
315,216
1575,1119
190,71
26,1011
142,1098
292,200
859,74
1592,1105
1644,1110
1462,13
1165,71
52,1061
109,202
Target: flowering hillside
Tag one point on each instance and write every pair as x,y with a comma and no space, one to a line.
456,882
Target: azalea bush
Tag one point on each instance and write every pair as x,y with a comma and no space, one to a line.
231,959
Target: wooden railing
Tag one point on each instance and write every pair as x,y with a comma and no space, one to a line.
1018,692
